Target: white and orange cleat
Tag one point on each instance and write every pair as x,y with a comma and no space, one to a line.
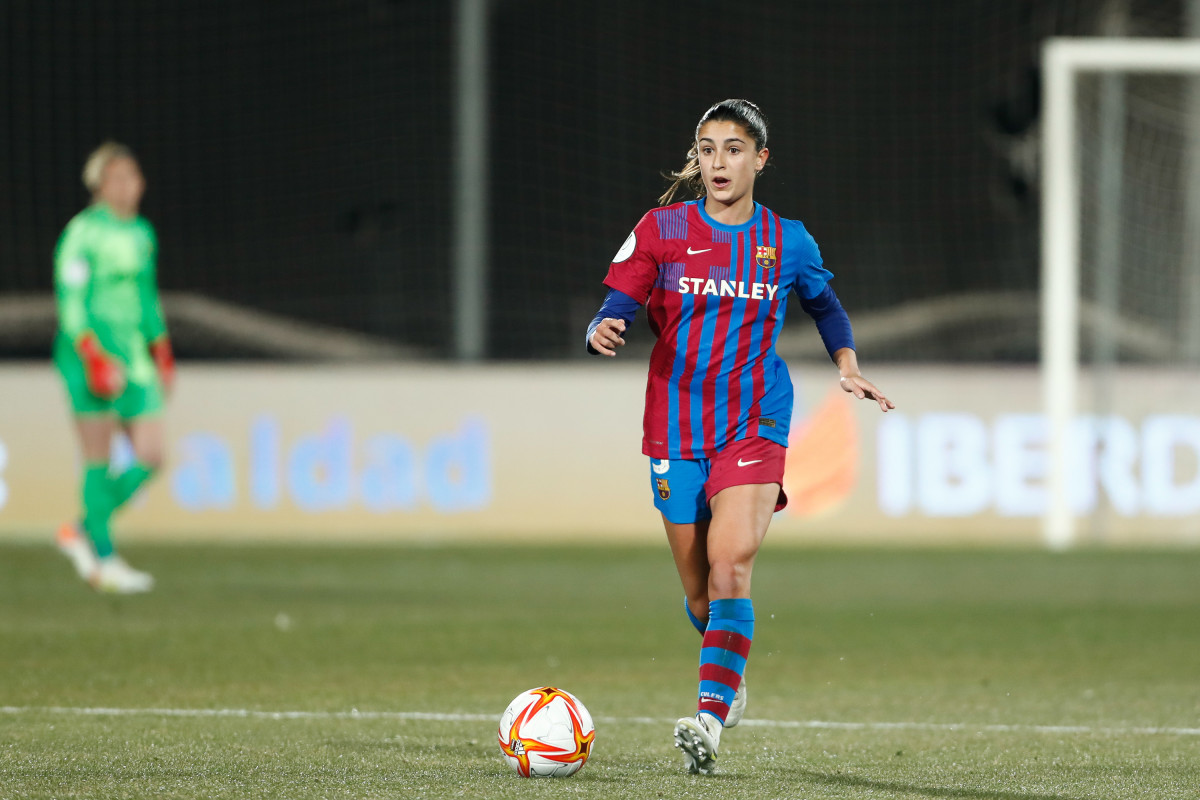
114,576
76,546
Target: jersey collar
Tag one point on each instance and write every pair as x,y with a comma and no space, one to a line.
106,213
712,223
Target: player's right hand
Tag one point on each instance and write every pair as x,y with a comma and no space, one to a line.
103,374
607,336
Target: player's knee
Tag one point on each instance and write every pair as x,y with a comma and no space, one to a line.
729,577
152,458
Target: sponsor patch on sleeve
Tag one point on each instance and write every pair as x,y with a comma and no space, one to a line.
626,249
75,273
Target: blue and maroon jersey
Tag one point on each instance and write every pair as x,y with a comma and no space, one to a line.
716,296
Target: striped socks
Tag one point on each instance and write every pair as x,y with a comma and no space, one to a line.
723,653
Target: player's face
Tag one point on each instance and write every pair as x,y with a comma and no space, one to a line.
728,161
122,186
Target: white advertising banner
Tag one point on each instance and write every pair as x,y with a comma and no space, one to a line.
552,452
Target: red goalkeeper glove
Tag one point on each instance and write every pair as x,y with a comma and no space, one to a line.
104,378
164,359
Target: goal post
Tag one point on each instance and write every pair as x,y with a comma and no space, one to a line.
1064,61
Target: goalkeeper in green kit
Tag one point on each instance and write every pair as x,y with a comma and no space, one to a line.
114,357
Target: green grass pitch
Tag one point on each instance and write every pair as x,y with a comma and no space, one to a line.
984,675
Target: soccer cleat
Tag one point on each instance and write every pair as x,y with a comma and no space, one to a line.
76,547
737,709
115,576
697,738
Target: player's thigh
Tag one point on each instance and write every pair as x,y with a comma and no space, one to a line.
147,436
744,490
95,436
741,516
678,487
689,548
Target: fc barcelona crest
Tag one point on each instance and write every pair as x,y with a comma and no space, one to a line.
664,488
764,256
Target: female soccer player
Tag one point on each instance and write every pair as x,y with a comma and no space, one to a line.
114,356
715,274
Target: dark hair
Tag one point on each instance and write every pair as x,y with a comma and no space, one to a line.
744,113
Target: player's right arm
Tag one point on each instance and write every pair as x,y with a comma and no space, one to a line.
630,278
73,274
604,334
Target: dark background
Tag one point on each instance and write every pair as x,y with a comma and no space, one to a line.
299,154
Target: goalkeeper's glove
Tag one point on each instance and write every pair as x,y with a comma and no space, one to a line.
164,359
104,378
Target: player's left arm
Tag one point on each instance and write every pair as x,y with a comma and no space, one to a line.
154,324
821,303
852,380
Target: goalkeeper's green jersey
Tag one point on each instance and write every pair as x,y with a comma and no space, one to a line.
104,281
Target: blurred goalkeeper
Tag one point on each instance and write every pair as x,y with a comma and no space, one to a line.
114,356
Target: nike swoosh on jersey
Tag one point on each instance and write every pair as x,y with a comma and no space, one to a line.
692,252
748,463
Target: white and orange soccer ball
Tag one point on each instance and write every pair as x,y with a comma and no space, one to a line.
546,733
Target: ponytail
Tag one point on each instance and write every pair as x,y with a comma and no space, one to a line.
686,178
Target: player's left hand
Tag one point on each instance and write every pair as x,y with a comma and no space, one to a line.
863,389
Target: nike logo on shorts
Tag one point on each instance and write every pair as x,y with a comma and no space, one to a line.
692,252
748,463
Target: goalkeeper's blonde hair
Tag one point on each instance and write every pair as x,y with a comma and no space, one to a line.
100,158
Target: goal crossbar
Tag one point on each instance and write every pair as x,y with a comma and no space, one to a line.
1064,59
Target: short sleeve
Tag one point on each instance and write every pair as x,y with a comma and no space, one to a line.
811,275
634,268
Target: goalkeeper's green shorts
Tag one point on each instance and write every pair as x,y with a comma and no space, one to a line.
137,400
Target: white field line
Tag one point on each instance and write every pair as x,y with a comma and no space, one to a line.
427,716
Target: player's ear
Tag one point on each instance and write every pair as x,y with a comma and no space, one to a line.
760,159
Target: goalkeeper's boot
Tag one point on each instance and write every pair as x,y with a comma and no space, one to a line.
78,549
697,738
737,709
115,576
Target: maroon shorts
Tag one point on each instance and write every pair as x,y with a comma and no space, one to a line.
747,461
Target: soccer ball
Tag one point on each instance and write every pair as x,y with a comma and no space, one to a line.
546,733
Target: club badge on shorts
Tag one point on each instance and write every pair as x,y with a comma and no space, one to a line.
664,488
